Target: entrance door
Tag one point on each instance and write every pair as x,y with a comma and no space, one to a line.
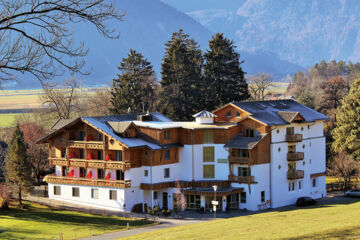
165,200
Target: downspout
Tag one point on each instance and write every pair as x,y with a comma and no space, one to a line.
192,156
152,190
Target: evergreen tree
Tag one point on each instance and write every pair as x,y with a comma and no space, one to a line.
182,81
18,166
224,76
135,87
347,131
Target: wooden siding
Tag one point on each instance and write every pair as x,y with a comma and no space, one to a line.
261,152
221,114
158,134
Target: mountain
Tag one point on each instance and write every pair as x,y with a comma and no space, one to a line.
147,26
303,32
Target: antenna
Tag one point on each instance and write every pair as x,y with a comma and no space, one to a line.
129,110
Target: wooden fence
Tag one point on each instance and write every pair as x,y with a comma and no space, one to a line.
340,186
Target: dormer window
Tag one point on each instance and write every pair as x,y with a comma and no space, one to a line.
250,133
167,135
229,114
81,135
237,114
99,137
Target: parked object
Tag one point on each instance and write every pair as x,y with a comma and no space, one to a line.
353,193
305,201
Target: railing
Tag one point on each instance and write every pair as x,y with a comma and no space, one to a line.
296,156
295,174
241,179
86,144
78,162
239,160
294,137
59,162
88,181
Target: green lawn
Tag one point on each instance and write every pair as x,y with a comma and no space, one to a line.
8,119
40,222
333,221
330,179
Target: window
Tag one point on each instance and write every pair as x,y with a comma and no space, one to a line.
314,182
99,136
166,135
244,171
243,197
63,153
292,148
208,154
53,152
119,175
95,193
112,195
75,192
81,154
250,133
166,172
208,136
155,195
243,153
292,166
237,114
208,171
64,171
232,201
290,130
146,173
167,154
118,155
81,135
57,190
262,196
100,155
299,185
293,186
100,173
82,172
192,201
229,114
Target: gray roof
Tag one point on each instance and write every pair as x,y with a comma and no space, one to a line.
267,111
61,123
241,142
204,114
119,127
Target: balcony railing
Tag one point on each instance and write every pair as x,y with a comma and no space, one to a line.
88,181
295,174
86,144
77,162
241,179
296,156
294,137
238,160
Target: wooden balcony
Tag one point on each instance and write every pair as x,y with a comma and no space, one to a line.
238,160
295,174
296,156
241,179
294,138
88,181
77,162
59,162
86,144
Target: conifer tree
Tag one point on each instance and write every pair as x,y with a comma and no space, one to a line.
182,81
18,166
347,131
135,87
224,75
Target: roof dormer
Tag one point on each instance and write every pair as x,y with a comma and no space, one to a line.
204,117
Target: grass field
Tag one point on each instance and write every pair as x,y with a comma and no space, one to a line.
40,222
330,179
332,221
8,120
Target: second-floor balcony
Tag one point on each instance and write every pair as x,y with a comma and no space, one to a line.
293,137
241,179
76,162
291,174
86,144
88,181
295,156
239,160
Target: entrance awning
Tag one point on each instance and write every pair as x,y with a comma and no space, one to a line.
221,191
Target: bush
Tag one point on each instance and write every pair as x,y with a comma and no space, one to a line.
148,210
163,212
5,196
156,210
137,208
168,212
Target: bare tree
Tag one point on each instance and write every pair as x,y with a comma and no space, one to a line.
97,104
36,37
180,201
258,85
62,99
344,167
5,195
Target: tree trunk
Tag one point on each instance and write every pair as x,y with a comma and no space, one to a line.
20,202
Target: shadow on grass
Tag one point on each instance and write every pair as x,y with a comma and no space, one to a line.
12,233
347,233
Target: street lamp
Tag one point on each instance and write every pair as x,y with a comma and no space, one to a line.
214,202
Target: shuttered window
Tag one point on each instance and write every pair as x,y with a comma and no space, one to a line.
208,136
208,154
112,195
209,171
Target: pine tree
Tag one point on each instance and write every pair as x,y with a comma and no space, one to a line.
347,131
224,75
18,166
182,81
135,87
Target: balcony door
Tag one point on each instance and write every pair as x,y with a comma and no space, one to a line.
165,200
